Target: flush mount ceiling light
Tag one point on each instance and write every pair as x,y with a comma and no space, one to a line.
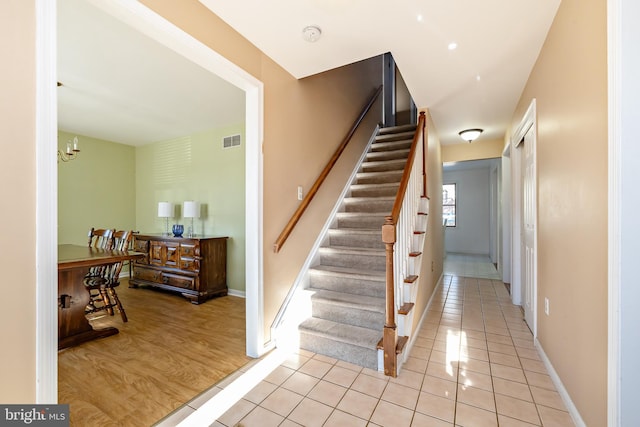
470,134
311,33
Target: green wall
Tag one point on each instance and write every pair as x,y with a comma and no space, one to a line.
196,167
95,190
119,186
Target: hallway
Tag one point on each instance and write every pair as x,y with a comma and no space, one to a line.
473,364
466,265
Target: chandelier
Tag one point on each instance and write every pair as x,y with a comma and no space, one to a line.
71,152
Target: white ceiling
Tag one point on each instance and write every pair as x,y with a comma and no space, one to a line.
498,41
121,86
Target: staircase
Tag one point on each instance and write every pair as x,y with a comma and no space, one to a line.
347,286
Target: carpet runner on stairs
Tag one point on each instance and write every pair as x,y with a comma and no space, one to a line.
348,301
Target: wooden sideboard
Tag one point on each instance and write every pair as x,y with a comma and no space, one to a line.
194,266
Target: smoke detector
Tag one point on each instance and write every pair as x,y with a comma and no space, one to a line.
311,33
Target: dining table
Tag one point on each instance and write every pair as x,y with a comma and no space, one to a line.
74,262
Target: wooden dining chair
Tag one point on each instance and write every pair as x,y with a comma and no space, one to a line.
101,238
102,288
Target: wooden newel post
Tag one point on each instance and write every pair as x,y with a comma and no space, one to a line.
390,334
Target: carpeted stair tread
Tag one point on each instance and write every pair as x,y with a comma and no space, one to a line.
393,185
400,153
397,129
384,165
369,204
395,136
349,256
390,145
355,220
368,199
346,250
379,177
347,271
349,334
379,173
356,237
356,231
356,281
344,299
375,190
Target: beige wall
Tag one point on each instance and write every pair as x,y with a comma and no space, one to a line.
476,150
304,121
18,195
569,82
432,261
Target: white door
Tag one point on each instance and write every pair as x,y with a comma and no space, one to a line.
528,224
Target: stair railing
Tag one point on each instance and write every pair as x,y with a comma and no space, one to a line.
397,235
284,235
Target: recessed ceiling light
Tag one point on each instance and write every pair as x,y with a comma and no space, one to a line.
311,33
478,77
452,46
420,18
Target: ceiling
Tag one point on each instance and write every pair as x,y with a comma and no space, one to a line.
119,85
477,85
122,86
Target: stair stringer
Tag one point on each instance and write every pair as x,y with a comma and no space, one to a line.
298,300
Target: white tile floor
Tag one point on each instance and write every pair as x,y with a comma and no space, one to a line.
473,363
467,265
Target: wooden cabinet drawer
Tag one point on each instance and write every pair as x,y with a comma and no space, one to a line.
165,254
141,245
185,282
189,250
190,264
147,274
156,253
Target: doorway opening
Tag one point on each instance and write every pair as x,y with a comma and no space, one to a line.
149,23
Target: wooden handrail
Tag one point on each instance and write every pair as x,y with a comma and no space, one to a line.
323,175
397,205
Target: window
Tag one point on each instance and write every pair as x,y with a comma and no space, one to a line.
449,205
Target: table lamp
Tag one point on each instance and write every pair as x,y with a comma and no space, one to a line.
191,210
165,211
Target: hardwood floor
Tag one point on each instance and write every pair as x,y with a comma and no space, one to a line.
168,353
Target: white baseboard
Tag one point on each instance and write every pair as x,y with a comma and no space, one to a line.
236,293
573,411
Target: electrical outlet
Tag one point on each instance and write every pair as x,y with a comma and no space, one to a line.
299,192
546,306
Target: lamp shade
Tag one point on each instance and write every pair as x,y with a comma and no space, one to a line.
165,209
191,209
